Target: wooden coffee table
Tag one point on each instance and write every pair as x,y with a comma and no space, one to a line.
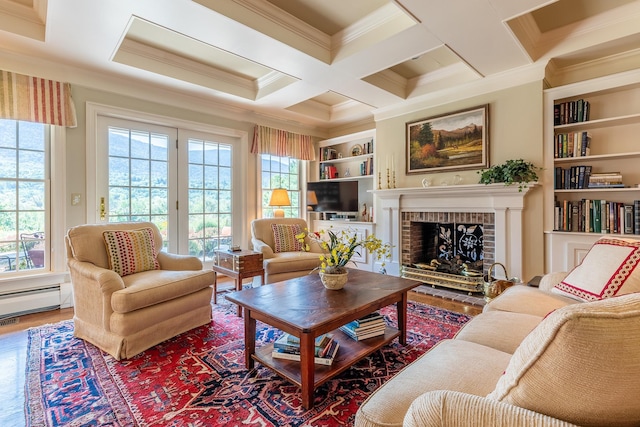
304,308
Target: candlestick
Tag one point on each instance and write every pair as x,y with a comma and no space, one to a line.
379,180
388,178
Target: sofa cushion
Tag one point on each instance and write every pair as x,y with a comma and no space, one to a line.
501,330
156,286
131,251
291,261
284,237
580,364
610,268
451,364
528,300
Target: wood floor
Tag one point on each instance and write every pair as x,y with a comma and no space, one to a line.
13,351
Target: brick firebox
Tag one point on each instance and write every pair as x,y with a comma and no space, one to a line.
413,245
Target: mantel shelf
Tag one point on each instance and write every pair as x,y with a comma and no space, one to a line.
470,190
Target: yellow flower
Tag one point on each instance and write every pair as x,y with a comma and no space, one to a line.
341,246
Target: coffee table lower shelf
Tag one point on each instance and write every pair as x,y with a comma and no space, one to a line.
349,352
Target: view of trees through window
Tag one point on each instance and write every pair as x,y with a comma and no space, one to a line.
210,197
280,172
23,189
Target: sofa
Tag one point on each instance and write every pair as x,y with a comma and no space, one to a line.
284,257
128,294
564,353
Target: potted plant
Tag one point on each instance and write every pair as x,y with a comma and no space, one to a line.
510,172
339,248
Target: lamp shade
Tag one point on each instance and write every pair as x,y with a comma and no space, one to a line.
312,199
279,197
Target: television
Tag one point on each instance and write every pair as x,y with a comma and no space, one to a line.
332,196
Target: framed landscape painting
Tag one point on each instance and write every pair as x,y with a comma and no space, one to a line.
454,141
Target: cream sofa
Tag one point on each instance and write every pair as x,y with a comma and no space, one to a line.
534,356
125,315
282,265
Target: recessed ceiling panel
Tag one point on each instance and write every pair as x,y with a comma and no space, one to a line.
24,18
155,48
431,71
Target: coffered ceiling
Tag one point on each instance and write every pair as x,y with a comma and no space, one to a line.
319,63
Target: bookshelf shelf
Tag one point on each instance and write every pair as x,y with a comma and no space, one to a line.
613,125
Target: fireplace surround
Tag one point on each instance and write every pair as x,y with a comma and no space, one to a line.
498,207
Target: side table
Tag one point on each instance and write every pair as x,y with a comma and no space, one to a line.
238,265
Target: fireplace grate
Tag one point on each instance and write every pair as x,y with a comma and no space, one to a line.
453,281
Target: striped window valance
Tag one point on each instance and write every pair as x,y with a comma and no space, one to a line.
282,143
34,99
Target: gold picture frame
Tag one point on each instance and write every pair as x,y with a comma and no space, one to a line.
454,141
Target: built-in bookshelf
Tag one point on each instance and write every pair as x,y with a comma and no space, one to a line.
347,157
592,173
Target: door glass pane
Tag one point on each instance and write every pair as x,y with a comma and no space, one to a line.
210,198
138,176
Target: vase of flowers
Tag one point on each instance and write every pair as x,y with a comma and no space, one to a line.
339,248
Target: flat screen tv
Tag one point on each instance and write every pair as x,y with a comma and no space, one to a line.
334,196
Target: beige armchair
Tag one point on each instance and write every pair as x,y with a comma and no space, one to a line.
282,264
129,313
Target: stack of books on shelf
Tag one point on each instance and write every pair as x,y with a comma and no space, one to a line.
366,167
606,180
597,216
372,325
288,347
574,177
572,144
571,112
328,172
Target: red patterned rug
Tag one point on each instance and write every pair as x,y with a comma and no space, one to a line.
198,378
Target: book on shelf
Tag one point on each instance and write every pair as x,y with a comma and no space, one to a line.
291,344
571,112
370,333
326,359
596,216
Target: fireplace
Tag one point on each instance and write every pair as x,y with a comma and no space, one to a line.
447,248
496,208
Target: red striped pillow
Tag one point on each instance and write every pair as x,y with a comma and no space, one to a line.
609,269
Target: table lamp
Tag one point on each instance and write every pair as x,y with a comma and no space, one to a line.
279,197
312,200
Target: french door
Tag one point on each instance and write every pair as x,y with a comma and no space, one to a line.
181,180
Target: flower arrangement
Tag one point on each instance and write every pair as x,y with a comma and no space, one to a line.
341,246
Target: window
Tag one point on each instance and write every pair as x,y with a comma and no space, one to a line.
24,179
280,172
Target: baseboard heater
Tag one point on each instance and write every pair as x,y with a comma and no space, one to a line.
19,303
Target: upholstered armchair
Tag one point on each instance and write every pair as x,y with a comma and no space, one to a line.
128,295
284,257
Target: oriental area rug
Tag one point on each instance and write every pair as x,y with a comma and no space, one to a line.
199,379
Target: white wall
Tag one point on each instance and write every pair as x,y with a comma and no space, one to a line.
515,131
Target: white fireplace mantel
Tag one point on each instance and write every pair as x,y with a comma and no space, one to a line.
506,202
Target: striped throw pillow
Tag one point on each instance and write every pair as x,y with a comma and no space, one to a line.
284,237
131,251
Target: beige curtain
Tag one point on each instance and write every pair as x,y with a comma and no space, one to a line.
278,142
34,99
